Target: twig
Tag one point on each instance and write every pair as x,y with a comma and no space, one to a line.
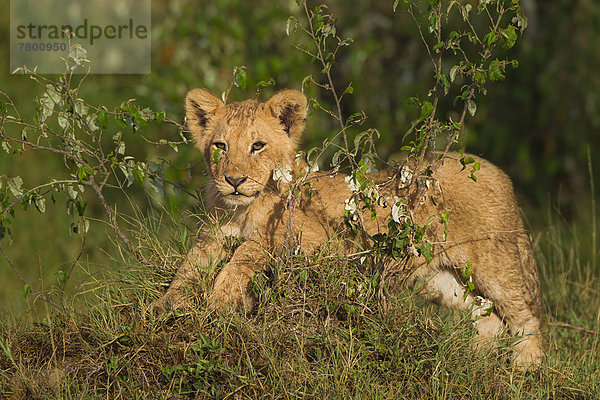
111,216
574,328
336,98
11,205
12,265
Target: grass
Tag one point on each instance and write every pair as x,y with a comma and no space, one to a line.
319,331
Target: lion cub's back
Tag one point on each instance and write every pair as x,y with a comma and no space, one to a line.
487,203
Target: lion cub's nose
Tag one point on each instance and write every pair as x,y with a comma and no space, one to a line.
235,182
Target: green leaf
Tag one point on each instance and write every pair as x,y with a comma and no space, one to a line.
103,119
446,83
78,54
83,172
159,116
465,11
475,168
120,119
15,185
495,71
453,71
137,175
71,192
490,38
46,107
240,78
356,118
40,204
520,19
472,107
292,21
81,108
508,37
445,215
80,205
215,156
26,290
426,109
480,77
63,121
61,277
466,271
264,84
427,251
467,160
140,118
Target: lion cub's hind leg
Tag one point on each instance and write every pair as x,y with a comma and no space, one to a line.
443,288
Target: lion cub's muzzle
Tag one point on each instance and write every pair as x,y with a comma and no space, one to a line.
236,182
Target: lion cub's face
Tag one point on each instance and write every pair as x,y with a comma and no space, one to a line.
242,142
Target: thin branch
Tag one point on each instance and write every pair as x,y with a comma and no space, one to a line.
111,215
336,98
75,261
574,328
50,149
20,198
23,280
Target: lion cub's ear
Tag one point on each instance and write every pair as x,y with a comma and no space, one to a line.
200,106
290,107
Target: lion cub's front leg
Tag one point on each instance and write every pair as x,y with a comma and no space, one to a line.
231,285
208,251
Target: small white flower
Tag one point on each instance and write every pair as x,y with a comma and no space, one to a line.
406,176
483,306
352,184
282,173
308,168
350,206
397,210
315,168
373,193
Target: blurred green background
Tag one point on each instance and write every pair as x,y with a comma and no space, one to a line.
540,124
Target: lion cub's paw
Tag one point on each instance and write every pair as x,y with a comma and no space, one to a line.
231,292
169,301
529,353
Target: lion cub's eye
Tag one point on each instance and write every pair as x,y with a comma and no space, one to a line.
220,145
257,146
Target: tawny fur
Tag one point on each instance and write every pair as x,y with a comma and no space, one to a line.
485,226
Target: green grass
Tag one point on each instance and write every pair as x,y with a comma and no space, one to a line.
319,331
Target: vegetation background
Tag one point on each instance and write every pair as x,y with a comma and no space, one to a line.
541,125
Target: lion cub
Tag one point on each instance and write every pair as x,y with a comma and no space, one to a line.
243,143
